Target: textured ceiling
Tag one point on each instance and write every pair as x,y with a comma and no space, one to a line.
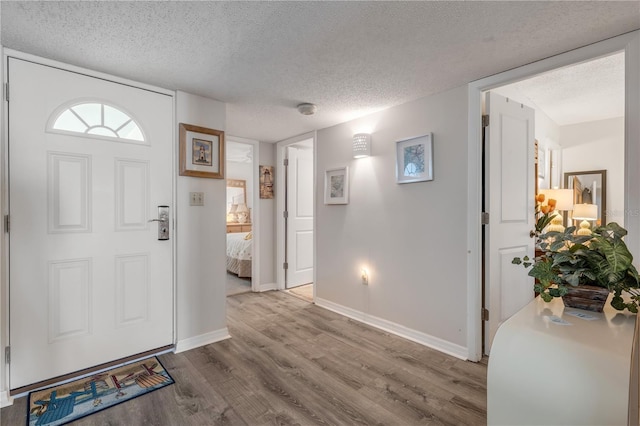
350,58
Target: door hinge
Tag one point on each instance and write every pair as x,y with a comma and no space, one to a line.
6,92
485,314
285,265
7,354
6,223
285,162
485,121
484,218
285,214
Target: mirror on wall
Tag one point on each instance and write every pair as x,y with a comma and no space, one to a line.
236,198
589,187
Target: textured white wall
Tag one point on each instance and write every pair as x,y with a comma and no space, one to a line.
200,233
598,145
267,221
412,237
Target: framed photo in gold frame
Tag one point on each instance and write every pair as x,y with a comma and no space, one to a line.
201,152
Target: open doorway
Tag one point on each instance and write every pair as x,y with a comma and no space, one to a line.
579,116
240,215
296,226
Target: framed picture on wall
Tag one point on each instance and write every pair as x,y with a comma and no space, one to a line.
336,185
266,182
414,159
542,162
201,152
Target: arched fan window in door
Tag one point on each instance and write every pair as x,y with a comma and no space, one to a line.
96,119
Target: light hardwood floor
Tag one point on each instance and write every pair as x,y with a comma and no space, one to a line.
291,362
303,291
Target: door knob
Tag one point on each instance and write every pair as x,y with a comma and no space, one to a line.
163,222
532,234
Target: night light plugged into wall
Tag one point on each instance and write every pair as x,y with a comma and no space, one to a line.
361,145
365,276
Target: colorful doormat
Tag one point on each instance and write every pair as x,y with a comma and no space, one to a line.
64,403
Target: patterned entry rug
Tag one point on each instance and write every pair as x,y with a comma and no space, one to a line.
64,403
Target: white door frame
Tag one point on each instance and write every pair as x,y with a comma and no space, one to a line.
280,206
255,210
630,44
5,400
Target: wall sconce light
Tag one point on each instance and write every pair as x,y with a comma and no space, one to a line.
585,212
361,145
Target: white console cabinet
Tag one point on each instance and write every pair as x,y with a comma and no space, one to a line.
551,365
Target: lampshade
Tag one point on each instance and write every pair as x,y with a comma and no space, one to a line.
585,211
361,145
563,197
231,214
242,213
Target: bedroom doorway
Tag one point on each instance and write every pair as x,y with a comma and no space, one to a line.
240,219
579,126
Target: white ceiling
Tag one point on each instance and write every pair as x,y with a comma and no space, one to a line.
350,58
589,91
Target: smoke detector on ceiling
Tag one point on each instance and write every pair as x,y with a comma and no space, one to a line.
307,109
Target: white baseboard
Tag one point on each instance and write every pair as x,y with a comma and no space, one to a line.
5,400
397,329
267,287
203,339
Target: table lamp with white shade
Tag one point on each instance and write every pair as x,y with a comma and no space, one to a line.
564,202
242,213
586,213
231,214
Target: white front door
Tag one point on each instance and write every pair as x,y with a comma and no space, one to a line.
300,215
509,196
90,160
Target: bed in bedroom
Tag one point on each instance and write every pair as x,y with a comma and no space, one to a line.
239,253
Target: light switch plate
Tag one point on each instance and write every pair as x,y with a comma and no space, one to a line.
196,198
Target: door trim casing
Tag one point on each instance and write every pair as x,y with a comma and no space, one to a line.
4,196
280,205
628,43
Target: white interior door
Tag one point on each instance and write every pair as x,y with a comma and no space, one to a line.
300,215
89,280
509,196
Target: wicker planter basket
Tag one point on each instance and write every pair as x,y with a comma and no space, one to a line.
587,297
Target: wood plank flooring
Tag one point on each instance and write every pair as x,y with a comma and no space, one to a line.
292,363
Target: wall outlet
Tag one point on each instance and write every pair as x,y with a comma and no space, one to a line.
196,198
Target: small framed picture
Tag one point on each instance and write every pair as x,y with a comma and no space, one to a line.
336,186
542,163
266,181
201,152
414,159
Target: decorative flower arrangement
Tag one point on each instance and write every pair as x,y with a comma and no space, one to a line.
601,259
544,213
